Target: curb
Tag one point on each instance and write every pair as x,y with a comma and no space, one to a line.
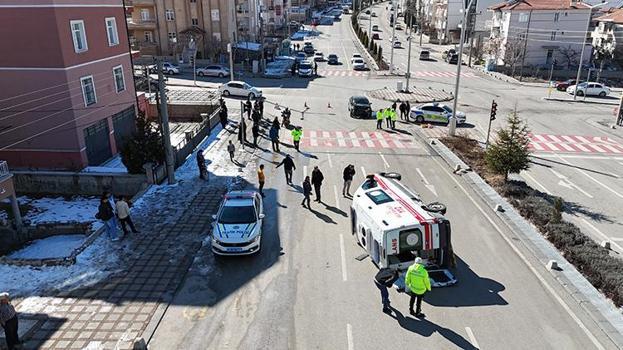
601,310
558,99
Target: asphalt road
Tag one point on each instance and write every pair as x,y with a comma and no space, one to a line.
306,290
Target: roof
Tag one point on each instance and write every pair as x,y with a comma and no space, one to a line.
615,16
526,5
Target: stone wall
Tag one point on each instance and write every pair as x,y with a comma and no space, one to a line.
71,183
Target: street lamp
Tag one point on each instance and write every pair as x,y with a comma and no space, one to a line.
588,25
466,10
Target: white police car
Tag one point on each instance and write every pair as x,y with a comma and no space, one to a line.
435,112
237,226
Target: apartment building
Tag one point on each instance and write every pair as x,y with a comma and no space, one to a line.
539,32
608,33
67,98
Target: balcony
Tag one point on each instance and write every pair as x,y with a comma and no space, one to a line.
149,24
145,47
141,3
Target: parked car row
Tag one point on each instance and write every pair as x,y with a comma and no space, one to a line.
360,107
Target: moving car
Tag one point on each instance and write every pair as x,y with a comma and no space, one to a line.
318,56
424,55
213,71
397,44
306,69
375,28
239,88
447,53
367,12
355,56
589,89
333,59
359,64
435,112
300,56
308,49
167,68
453,58
237,226
359,106
398,26
375,36
563,85
373,14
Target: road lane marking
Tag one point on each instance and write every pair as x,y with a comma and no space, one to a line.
617,239
549,288
537,183
367,139
603,235
422,176
353,139
594,179
349,336
384,160
329,158
346,59
304,171
312,138
340,139
472,338
337,199
381,140
343,253
363,172
564,181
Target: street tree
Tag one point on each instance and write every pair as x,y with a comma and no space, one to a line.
509,153
514,52
602,54
494,49
144,146
569,56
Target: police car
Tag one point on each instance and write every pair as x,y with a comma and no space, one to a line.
237,226
435,112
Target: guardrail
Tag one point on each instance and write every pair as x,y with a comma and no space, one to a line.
4,169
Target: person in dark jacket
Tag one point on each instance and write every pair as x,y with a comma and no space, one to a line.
261,107
307,189
255,130
9,321
348,174
248,107
222,115
107,215
394,105
242,132
384,279
408,110
316,180
273,134
276,124
288,166
256,116
403,110
201,165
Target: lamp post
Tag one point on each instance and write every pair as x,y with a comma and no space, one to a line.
588,25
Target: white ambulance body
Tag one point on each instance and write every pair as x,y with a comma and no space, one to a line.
390,221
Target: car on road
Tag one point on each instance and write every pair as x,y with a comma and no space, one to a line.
360,107
333,59
563,85
424,55
167,68
397,44
326,20
300,56
435,112
308,49
213,71
589,89
359,64
239,88
447,53
398,26
373,14
355,56
375,28
453,58
376,36
318,56
306,69
237,225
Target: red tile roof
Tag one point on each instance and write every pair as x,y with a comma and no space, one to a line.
521,5
615,16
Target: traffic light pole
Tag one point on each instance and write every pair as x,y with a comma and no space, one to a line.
166,131
494,107
459,63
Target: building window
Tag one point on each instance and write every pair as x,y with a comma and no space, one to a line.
553,36
111,30
556,16
88,90
145,15
216,15
117,73
149,37
523,17
79,35
195,21
172,36
170,15
550,57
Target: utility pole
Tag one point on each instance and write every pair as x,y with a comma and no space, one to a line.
166,132
391,60
458,68
408,74
619,121
231,61
525,46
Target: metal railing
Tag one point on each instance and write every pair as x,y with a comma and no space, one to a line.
4,169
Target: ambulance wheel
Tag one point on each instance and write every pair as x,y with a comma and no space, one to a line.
436,207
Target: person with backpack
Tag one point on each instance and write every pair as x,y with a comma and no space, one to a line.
106,213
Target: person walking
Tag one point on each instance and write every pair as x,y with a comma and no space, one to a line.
276,124
348,174
379,119
223,116
307,189
231,149
201,165
288,166
394,105
106,213
297,133
384,279
248,107
255,130
417,284
261,179
393,116
123,213
273,134
387,116
316,180
403,110
9,321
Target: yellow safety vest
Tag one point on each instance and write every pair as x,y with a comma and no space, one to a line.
379,115
417,280
296,135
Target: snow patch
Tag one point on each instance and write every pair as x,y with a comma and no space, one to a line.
51,247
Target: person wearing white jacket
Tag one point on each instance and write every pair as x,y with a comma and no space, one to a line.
123,213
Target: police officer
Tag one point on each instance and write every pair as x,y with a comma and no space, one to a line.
379,119
387,115
384,279
297,133
393,117
417,284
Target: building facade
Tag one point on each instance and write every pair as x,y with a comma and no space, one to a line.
67,98
608,34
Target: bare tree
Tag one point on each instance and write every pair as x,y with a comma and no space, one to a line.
603,54
569,56
494,48
514,51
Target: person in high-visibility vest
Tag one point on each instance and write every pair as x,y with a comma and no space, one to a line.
297,133
417,284
393,116
387,115
379,119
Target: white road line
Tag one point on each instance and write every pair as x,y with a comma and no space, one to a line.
312,138
304,171
573,156
597,148
537,146
537,183
329,159
367,139
603,235
337,199
363,172
340,139
422,176
327,138
346,59
569,183
381,139
566,147
349,336
384,160
617,239
612,149
549,288
353,139
343,253
582,148
554,138
472,338
594,179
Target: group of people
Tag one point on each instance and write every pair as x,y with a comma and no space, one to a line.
113,214
390,114
417,283
273,135
255,113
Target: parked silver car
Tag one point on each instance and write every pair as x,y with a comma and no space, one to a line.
213,71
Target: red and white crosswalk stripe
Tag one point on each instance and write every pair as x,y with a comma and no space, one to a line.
341,73
442,74
356,139
574,144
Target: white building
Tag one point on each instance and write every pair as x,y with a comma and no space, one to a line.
540,32
608,33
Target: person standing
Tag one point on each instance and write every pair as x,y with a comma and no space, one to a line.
316,180
201,165
384,279
273,134
315,68
242,132
106,213
379,119
388,116
307,189
393,117
408,109
288,166
255,130
297,133
123,213
261,179
255,116
248,107
394,105
403,110
261,107
231,149
417,284
348,174
9,321
223,116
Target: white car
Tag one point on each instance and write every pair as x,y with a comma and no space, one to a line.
590,89
397,44
356,56
239,88
237,226
398,26
318,56
213,71
435,112
359,64
306,69
167,68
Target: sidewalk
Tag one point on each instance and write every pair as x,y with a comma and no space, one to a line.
173,220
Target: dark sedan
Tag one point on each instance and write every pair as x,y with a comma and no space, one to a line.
563,85
360,107
333,59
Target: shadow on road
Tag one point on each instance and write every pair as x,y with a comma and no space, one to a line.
569,166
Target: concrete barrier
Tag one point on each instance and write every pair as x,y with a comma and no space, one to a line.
72,183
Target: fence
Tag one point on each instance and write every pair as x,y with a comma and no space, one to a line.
194,137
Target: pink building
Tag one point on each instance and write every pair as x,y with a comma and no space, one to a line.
67,96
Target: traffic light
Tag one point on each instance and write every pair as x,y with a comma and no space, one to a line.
494,109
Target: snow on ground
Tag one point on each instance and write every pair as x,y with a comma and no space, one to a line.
60,246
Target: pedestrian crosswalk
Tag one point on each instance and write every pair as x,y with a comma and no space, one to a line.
357,139
441,74
574,144
342,73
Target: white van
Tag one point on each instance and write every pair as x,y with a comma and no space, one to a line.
393,225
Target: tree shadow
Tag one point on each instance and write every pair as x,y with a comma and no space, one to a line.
570,166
